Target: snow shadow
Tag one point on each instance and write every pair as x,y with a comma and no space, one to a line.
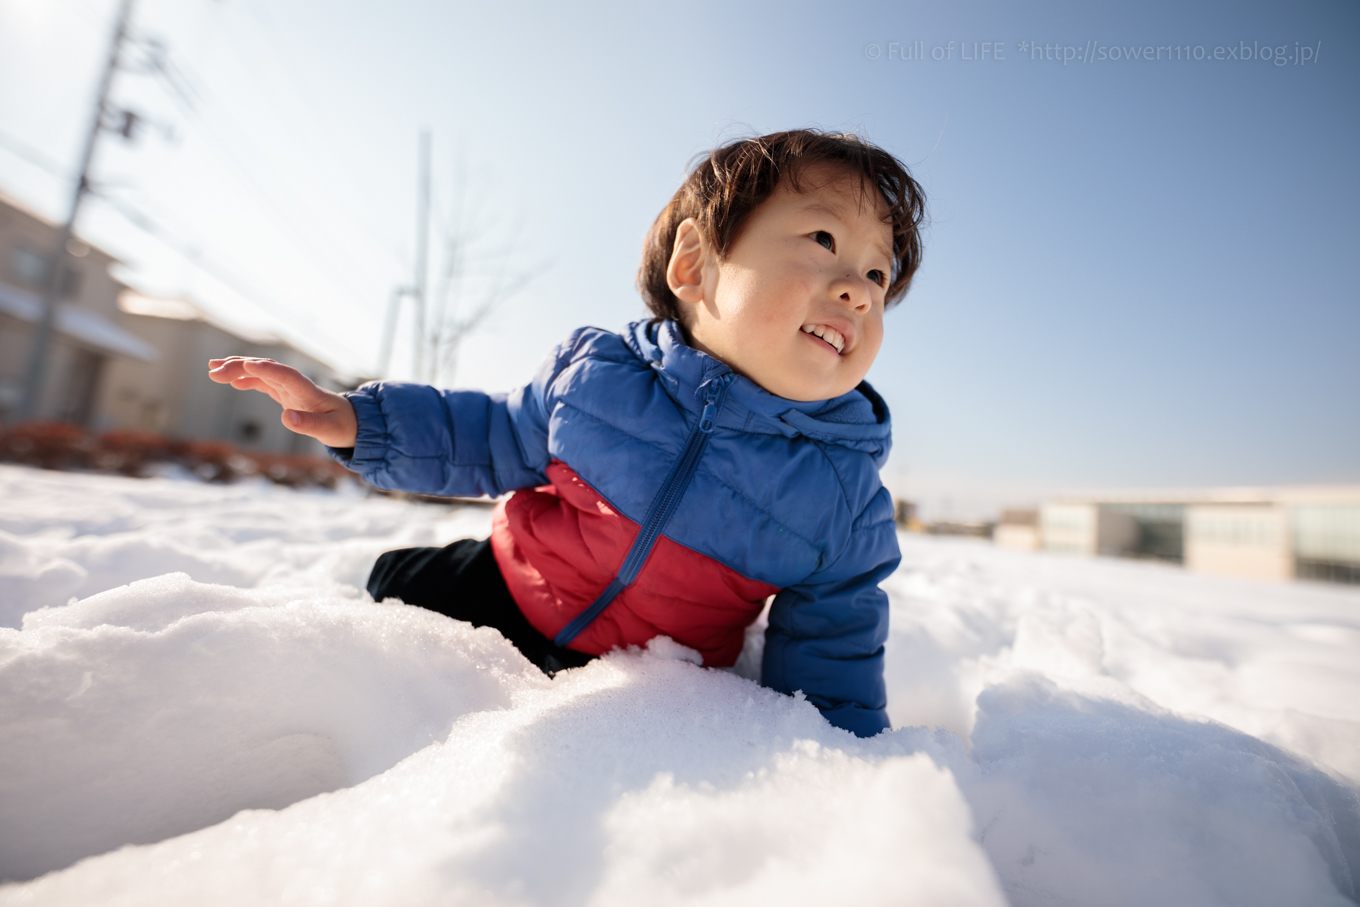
1090,801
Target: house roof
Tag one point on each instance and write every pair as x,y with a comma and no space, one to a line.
179,309
186,310
79,324
26,212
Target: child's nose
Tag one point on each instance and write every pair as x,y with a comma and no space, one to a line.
854,292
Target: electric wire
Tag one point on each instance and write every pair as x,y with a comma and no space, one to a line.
224,152
33,155
332,142
238,285
189,251
280,62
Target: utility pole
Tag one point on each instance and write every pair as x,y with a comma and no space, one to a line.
390,329
41,349
420,286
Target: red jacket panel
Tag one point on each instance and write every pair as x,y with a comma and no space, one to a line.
559,545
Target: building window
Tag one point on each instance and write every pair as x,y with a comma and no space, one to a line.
31,269
1328,571
1324,532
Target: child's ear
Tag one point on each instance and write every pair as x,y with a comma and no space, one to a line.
689,257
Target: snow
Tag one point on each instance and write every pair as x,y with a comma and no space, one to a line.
202,707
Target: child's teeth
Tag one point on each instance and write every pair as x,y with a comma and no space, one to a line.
830,335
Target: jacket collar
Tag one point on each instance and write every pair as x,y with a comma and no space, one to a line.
858,420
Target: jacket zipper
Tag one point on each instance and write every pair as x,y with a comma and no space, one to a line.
662,507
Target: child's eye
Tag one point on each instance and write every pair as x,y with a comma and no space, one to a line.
825,239
878,277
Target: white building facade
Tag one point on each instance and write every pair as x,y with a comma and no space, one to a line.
1259,533
89,333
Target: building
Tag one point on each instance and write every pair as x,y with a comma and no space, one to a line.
173,394
1087,528
121,360
1325,535
1247,539
1259,533
1019,530
89,332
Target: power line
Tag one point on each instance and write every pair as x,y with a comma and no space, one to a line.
180,86
152,228
230,157
197,257
283,56
36,373
34,156
255,65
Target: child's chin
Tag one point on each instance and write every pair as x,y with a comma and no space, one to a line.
811,391
811,379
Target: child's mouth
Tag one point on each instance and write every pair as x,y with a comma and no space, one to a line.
834,338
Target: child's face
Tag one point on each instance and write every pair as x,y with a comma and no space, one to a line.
797,306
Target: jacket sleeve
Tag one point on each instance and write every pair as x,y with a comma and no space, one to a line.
466,443
826,635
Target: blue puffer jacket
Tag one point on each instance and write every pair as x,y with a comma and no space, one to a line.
661,493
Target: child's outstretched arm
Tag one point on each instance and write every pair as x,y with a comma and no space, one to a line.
826,635
307,409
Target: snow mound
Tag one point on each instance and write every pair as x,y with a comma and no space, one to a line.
464,769
1106,734
168,705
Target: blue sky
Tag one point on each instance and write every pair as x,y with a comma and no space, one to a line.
1137,272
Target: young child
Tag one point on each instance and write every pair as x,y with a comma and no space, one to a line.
669,478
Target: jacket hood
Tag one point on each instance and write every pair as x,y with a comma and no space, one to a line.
858,420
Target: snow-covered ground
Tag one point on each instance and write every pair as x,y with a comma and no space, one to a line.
224,718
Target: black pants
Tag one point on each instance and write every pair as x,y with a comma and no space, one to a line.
462,581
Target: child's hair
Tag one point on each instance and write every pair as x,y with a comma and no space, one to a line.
729,182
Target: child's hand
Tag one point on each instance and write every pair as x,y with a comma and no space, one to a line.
307,409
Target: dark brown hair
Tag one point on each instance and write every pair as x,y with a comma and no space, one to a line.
728,183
